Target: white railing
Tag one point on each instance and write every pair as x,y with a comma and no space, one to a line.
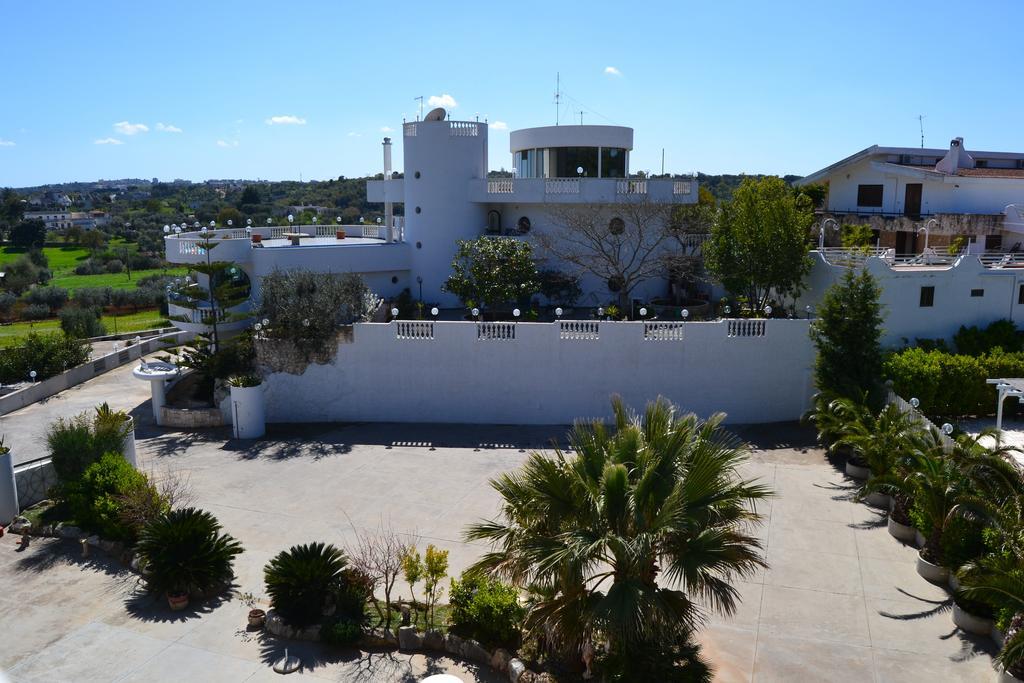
631,187
562,186
414,329
410,130
1000,260
904,406
495,330
745,328
662,331
691,240
682,187
578,329
463,129
499,186
191,248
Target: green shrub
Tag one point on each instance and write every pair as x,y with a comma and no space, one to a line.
184,551
303,580
35,312
355,591
340,632
77,442
1002,334
82,323
485,609
47,354
95,500
962,542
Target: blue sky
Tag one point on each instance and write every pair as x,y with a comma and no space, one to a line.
778,87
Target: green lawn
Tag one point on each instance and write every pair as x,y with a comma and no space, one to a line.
72,282
132,322
60,258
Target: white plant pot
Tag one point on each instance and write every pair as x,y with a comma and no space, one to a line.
919,539
129,446
1006,677
935,573
8,489
902,532
248,415
878,500
970,623
856,471
954,583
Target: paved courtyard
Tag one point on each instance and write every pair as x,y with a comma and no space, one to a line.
841,601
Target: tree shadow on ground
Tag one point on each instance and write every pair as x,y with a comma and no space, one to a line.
44,554
148,607
971,645
778,435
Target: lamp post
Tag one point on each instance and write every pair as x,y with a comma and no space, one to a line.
419,281
684,313
476,314
394,313
558,313
827,223
926,229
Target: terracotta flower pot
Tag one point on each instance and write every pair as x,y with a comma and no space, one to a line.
257,618
340,234
177,601
257,239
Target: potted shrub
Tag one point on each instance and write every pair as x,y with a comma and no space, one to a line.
304,582
900,525
257,617
257,238
340,234
972,616
186,556
248,415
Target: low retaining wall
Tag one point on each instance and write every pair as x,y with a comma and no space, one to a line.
34,480
93,368
551,373
190,418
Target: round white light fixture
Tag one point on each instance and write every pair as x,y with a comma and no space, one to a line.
914,402
685,313
167,229
230,222
394,312
434,311
515,312
476,312
767,310
558,311
643,312
947,429
291,218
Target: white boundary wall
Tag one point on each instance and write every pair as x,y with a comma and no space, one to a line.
551,373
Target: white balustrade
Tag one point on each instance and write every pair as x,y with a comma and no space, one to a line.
414,329
562,186
499,186
631,187
410,130
578,329
746,328
663,331
191,248
463,129
682,187
495,331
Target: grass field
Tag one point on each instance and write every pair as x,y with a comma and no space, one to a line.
132,322
60,258
72,282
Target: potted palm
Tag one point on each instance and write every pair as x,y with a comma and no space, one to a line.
999,580
833,416
186,556
880,441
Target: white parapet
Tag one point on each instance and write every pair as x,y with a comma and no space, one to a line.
8,489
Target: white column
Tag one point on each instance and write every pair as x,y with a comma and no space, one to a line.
8,489
599,163
158,399
999,407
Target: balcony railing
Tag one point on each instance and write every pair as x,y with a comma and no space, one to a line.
599,190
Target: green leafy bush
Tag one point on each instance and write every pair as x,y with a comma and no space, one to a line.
47,354
95,500
485,609
35,312
77,442
340,632
184,551
962,542
305,579
1002,334
81,323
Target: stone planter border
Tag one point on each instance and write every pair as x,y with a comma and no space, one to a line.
935,573
901,532
856,471
971,623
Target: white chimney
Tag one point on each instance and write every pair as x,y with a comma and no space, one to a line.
388,208
956,158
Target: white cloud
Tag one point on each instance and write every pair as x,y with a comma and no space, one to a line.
225,143
125,128
354,134
612,71
167,128
6,143
499,125
387,129
286,120
108,141
445,100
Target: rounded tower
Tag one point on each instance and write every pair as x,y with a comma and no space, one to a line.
442,158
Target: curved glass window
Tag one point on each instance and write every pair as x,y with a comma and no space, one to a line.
571,162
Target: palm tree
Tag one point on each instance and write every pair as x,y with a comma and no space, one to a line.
619,540
880,440
998,579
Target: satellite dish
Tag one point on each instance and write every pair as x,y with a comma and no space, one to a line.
438,114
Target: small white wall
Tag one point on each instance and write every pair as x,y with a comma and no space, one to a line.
540,378
906,320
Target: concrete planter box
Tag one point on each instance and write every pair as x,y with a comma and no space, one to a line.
878,500
935,573
8,489
129,445
901,532
856,471
970,623
248,414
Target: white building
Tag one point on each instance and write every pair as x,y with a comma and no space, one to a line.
447,197
904,192
55,219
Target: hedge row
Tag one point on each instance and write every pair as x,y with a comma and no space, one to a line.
948,384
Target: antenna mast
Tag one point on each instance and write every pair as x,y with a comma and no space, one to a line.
558,95
920,122
420,99
581,117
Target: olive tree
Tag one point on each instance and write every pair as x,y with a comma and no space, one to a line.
622,245
491,271
759,241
